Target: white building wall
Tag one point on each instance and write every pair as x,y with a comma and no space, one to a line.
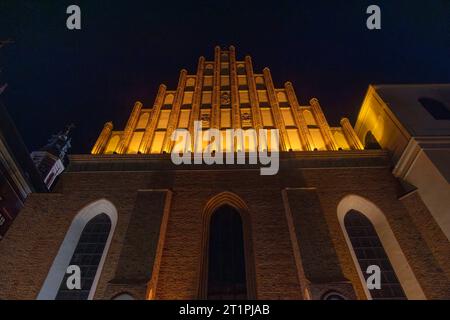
418,143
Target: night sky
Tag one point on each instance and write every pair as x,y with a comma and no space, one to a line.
127,48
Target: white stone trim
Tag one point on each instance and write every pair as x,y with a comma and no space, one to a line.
415,147
58,269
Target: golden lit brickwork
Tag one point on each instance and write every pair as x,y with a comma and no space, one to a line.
226,94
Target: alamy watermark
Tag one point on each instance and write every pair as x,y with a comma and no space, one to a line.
374,20
374,280
74,280
73,21
231,146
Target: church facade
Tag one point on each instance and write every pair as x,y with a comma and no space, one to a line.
139,226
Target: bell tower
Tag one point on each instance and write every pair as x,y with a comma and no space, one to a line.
52,158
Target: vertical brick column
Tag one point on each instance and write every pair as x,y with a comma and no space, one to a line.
323,125
129,128
253,95
138,266
305,136
350,135
147,139
175,113
215,110
317,262
235,109
102,140
197,99
279,122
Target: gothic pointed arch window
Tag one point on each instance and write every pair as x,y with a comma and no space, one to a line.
226,259
369,251
85,245
227,269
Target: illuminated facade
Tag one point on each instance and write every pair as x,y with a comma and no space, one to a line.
141,227
226,93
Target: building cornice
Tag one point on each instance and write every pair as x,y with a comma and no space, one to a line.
415,146
298,159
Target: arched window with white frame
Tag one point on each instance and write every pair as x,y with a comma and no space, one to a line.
85,245
86,257
370,239
370,252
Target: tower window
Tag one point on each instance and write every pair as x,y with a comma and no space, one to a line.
436,108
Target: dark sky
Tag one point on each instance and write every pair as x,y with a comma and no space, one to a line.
127,48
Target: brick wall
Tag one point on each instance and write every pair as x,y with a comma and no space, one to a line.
31,244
